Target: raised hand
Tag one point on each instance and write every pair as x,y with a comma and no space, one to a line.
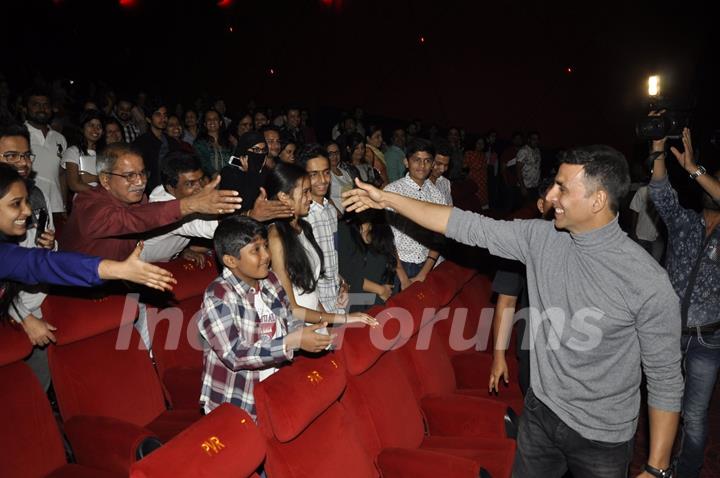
135,270
365,196
211,200
265,210
686,159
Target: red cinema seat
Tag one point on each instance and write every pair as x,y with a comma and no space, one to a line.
30,442
223,444
175,338
109,394
381,399
309,433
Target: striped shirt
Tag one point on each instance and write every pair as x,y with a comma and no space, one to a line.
324,222
239,343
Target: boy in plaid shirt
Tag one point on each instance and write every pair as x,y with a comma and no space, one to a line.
246,324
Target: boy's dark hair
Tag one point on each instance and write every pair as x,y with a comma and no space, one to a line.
442,147
14,129
604,166
310,151
234,233
176,163
422,145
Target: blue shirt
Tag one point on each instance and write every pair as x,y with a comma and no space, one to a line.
34,266
686,237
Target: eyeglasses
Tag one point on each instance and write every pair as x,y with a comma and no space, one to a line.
257,150
333,153
15,157
132,177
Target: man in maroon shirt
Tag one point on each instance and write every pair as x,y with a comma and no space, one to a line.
108,220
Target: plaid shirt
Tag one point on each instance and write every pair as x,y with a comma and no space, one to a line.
235,351
324,222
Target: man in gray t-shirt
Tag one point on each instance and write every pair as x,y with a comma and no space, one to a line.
603,312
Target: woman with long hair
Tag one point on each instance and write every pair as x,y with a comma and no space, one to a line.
213,144
297,259
79,159
353,149
367,255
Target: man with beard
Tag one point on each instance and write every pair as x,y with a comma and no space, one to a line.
693,264
48,146
123,115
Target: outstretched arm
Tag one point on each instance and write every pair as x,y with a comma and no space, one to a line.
433,217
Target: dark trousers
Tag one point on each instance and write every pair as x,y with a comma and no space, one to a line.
547,448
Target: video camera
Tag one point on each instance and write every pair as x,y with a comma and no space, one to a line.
669,124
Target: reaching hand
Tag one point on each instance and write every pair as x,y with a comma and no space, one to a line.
211,201
499,370
361,318
135,270
312,341
364,197
38,331
686,158
265,210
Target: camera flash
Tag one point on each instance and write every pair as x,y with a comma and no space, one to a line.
654,85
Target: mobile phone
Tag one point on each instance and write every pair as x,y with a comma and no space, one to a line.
41,225
237,162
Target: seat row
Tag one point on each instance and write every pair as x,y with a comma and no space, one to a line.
396,400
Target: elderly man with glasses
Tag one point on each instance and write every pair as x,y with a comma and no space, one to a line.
108,220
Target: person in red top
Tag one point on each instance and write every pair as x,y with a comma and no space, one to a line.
108,220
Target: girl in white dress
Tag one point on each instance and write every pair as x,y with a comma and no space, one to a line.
297,259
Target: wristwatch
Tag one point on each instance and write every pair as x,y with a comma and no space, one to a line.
667,473
699,172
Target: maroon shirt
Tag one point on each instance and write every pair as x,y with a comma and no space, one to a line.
100,224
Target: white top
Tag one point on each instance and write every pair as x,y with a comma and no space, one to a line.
444,186
648,219
309,300
269,326
48,152
408,234
339,185
85,162
164,247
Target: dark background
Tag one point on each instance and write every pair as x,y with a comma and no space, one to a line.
482,65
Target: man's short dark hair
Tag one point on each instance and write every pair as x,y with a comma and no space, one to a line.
14,129
270,127
176,163
36,91
236,232
604,166
308,152
153,105
420,145
442,147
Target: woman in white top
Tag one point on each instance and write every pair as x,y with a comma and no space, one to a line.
79,160
297,259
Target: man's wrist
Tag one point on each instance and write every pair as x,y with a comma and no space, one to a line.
664,472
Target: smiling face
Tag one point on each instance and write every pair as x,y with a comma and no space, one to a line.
92,131
319,171
253,262
287,155
419,166
129,192
14,210
299,198
174,128
113,133
440,165
212,122
16,144
572,200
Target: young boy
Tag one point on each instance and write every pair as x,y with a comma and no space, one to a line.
246,324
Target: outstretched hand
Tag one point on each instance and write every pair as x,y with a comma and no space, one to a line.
135,270
686,159
365,196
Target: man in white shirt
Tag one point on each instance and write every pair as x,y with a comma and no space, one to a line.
181,176
47,145
416,258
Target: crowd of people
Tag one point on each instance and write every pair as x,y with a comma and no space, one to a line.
309,234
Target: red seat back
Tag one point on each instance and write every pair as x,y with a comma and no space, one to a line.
98,366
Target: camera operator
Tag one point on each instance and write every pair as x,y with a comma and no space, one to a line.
693,264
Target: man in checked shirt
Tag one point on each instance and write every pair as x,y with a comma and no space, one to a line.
247,328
